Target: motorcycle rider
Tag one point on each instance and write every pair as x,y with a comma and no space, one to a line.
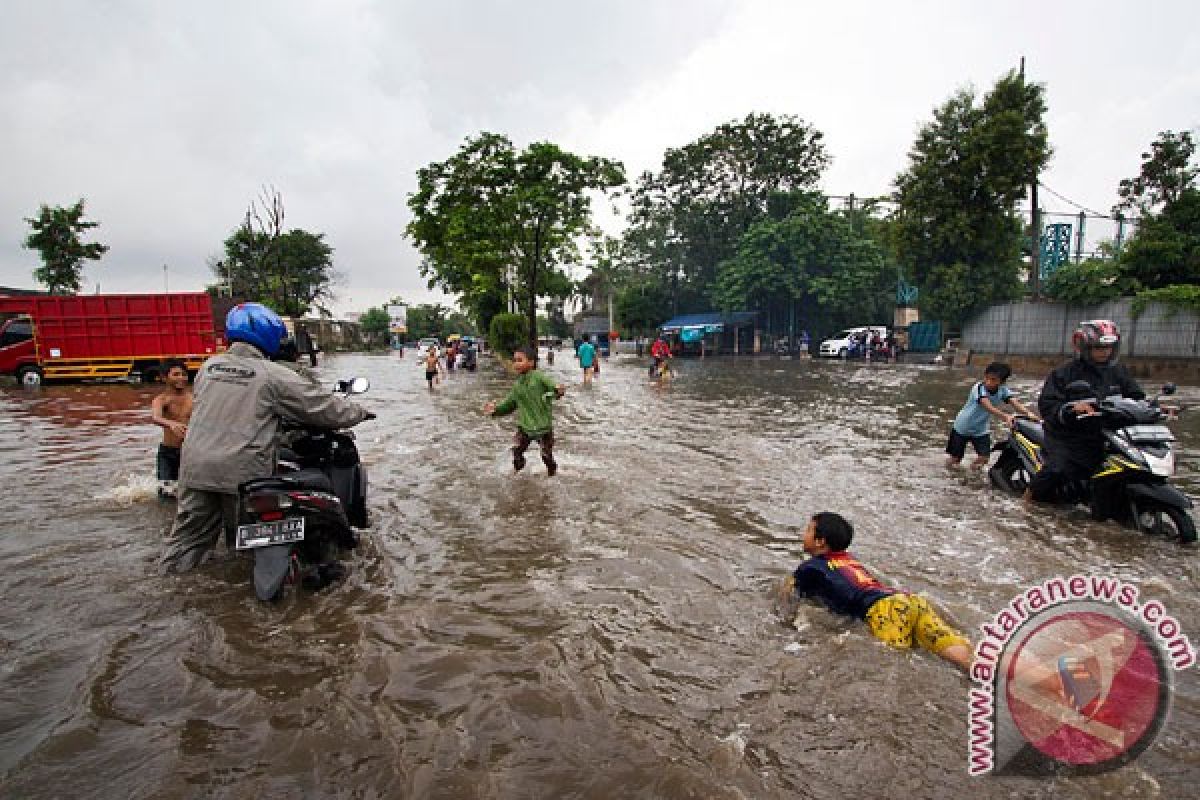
241,398
1074,436
660,351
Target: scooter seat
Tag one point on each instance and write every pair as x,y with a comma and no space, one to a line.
1031,430
310,478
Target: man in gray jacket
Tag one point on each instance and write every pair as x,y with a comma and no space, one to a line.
241,397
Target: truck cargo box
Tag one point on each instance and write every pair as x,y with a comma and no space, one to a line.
114,335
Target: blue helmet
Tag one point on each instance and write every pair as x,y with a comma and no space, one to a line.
255,324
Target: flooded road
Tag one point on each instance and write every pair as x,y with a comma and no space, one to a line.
607,633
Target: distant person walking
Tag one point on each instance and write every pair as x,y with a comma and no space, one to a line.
432,367
587,360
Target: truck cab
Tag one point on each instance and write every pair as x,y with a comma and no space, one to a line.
18,353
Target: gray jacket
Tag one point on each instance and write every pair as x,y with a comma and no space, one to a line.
240,400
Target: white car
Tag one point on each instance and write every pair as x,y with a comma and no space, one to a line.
423,345
839,345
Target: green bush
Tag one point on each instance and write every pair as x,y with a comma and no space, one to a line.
507,333
1179,297
1089,283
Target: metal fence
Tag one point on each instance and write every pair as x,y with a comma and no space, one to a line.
1044,329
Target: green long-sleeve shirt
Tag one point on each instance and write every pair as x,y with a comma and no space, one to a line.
532,397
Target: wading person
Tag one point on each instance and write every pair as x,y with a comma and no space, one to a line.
1074,436
241,398
660,351
171,411
532,397
845,586
587,359
432,367
972,425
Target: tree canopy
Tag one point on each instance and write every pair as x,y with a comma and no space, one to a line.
289,271
1165,250
813,258
375,324
956,229
1167,172
491,220
690,216
56,235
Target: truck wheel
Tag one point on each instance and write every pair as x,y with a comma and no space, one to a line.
29,376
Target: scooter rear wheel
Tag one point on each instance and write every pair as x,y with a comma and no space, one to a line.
1158,518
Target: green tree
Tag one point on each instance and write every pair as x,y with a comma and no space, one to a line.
507,333
956,232
641,307
1165,250
289,271
1167,172
492,220
812,258
427,320
56,236
690,216
375,324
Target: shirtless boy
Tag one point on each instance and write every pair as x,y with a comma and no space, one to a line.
171,411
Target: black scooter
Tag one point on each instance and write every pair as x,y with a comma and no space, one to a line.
1139,461
297,521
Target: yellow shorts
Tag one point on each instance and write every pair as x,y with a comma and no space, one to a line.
899,619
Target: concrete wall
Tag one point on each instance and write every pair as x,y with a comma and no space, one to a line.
1035,337
1044,329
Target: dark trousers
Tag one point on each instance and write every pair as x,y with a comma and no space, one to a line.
1070,462
521,442
199,520
168,463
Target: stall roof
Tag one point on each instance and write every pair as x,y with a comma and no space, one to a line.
710,319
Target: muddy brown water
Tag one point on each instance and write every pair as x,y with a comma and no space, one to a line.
607,633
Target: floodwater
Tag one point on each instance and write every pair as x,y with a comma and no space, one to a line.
607,633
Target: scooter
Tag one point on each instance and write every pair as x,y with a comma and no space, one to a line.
298,520
1139,461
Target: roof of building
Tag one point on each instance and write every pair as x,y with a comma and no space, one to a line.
709,318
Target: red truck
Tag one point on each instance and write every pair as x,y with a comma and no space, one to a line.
53,337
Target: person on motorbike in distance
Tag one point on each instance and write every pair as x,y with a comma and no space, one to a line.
241,399
660,351
1074,436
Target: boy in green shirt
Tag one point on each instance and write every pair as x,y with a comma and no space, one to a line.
532,397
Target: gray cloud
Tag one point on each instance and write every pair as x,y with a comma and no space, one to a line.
169,117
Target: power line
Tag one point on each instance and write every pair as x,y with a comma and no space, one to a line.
1069,201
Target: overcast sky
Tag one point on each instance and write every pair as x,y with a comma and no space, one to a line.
169,117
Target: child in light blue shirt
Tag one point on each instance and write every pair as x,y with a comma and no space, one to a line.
973,422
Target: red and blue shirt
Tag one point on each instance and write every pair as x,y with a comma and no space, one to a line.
841,582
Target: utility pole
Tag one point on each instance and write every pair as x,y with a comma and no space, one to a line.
166,283
1035,267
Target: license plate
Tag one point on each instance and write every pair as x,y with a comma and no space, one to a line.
265,534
